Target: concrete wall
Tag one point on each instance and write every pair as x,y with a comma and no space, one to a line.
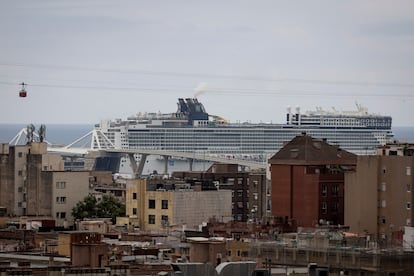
7,179
76,188
20,178
213,252
37,194
378,199
194,208
137,186
361,196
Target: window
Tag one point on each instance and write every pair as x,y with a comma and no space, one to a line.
20,154
20,172
151,219
60,199
335,190
134,211
324,190
409,187
383,186
60,185
408,205
61,215
408,170
324,208
164,204
164,220
151,204
134,195
383,203
335,207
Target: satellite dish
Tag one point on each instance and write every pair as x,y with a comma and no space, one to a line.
23,93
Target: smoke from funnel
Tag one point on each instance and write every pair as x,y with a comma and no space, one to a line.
200,89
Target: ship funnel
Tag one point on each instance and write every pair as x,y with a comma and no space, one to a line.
298,117
289,115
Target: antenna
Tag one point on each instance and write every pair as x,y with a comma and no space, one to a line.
29,133
42,132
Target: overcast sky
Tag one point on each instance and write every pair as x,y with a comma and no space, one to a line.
248,60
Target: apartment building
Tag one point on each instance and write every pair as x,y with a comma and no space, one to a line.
379,196
20,172
33,183
307,182
250,192
61,190
160,206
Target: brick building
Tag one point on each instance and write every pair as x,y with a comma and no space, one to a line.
307,181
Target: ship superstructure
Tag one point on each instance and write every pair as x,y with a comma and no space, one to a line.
192,129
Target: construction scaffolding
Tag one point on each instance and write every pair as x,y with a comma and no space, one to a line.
333,250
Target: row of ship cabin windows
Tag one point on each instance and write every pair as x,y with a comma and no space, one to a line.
370,122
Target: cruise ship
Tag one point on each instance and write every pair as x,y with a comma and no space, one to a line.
192,129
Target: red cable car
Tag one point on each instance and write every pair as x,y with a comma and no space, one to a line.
23,93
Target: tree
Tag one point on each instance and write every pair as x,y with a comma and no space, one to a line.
107,207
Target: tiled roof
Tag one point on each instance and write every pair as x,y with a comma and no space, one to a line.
305,150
